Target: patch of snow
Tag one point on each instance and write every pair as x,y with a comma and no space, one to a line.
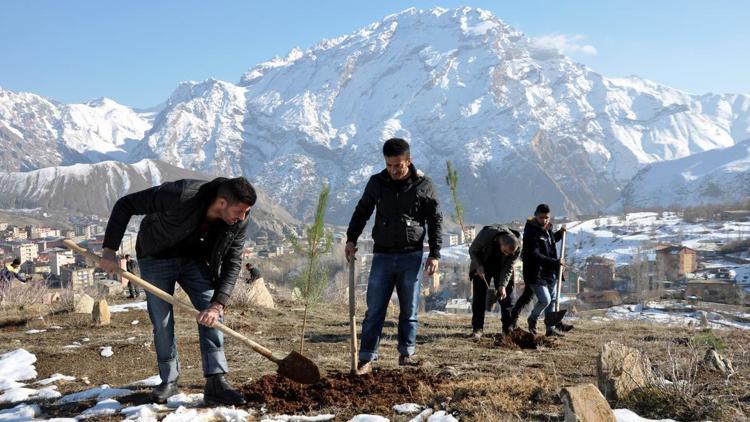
35,331
106,351
100,393
22,412
151,381
55,327
627,415
105,407
407,408
55,378
185,400
183,414
287,418
369,418
422,417
125,307
442,416
135,322
143,412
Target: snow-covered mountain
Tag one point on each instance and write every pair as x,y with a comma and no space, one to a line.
720,176
94,188
522,123
37,132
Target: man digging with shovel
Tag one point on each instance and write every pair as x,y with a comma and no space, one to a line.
193,233
493,253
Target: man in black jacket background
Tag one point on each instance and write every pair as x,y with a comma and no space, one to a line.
540,270
493,253
406,201
193,234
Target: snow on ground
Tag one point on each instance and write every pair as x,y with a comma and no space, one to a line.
35,331
22,412
626,415
151,381
672,313
183,414
106,407
99,393
55,378
288,418
407,408
368,418
106,351
619,238
125,307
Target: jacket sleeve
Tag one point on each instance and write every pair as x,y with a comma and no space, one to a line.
477,246
156,199
506,272
230,268
434,222
362,211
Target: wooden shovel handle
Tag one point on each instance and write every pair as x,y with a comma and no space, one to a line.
173,300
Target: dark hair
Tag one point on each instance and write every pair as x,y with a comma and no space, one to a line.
127,255
542,209
395,147
510,240
237,190
16,262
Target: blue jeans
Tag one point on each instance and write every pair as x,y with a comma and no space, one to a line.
388,271
164,273
546,296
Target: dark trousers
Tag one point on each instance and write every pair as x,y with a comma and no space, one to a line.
480,300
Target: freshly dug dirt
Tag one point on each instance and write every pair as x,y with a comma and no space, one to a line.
379,390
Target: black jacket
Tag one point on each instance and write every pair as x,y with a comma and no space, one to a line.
403,209
539,252
173,211
485,252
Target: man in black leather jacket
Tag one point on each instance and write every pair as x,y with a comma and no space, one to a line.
406,201
193,234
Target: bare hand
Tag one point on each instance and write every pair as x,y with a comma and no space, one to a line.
210,316
563,229
350,250
562,263
108,263
431,266
501,294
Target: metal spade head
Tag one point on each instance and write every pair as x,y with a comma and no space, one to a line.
299,368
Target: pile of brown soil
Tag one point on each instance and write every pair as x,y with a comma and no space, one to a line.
368,393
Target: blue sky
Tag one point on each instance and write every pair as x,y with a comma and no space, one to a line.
136,52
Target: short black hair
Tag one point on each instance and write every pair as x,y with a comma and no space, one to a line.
542,209
127,255
396,147
237,190
16,262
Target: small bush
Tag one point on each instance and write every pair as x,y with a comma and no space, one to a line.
709,340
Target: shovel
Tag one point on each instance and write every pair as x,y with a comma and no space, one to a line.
294,366
352,318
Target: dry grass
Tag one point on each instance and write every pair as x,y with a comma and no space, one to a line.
488,384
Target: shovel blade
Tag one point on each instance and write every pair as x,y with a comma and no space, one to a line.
555,317
299,368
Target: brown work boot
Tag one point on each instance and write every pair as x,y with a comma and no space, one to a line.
408,360
364,367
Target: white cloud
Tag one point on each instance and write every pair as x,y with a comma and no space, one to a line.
565,44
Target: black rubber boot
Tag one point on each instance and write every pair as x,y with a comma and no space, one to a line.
218,391
163,391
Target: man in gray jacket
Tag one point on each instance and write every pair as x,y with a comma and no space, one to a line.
493,253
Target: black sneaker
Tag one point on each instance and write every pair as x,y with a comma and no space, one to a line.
218,391
163,391
563,327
